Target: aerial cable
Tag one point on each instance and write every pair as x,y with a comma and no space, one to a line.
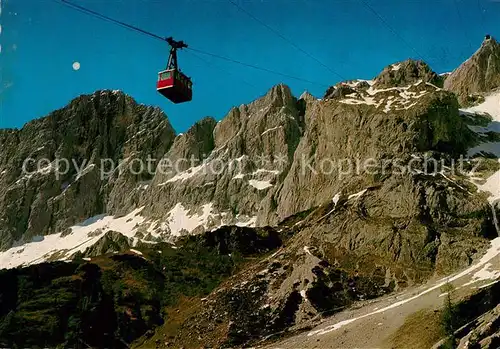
223,70
112,20
255,67
382,19
286,39
150,34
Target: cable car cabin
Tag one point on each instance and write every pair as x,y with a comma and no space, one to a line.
175,86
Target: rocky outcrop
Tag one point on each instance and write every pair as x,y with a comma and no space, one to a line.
243,240
66,304
406,73
486,334
339,91
372,125
110,242
479,74
360,246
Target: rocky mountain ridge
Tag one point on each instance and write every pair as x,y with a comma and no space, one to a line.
348,180
269,155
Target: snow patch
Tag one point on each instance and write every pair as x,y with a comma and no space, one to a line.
491,106
270,129
136,252
308,251
365,100
303,294
251,222
182,176
58,247
492,186
336,199
357,195
179,218
484,274
263,170
259,185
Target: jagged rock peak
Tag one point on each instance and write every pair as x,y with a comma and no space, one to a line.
480,73
207,123
307,96
344,88
196,143
108,105
279,95
339,91
110,242
406,73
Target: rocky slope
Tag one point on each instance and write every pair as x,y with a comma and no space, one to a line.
110,300
363,234
479,74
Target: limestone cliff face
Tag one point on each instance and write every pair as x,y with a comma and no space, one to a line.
236,164
278,156
106,125
369,124
480,73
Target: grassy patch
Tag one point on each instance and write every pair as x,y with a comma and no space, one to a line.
420,330
176,316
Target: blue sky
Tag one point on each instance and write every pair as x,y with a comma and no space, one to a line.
41,39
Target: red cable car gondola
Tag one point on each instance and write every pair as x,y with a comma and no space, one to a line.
172,83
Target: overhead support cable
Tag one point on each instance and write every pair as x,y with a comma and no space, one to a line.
164,39
393,31
293,44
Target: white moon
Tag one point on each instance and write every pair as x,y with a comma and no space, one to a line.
76,65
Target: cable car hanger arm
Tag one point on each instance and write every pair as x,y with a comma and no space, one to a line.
174,46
